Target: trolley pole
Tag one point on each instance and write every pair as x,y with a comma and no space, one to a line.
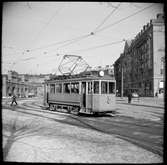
122,82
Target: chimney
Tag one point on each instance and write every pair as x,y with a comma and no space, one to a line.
141,32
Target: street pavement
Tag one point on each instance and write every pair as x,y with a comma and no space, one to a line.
143,101
30,135
149,108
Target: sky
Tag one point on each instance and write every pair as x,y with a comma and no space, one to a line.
36,35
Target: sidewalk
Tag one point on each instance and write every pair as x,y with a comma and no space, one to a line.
143,101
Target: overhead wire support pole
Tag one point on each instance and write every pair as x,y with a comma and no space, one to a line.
122,83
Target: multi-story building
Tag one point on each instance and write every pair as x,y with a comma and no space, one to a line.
38,80
140,67
22,85
14,84
108,69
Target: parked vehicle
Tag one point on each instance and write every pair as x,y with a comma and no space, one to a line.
92,94
135,95
31,95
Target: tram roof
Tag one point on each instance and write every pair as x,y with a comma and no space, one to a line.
80,77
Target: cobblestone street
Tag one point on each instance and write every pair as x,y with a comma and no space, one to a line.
32,135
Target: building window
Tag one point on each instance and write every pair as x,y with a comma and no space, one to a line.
162,66
149,53
162,71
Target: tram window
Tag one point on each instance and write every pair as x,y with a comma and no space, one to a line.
66,88
89,87
96,86
58,88
104,87
52,88
74,87
111,87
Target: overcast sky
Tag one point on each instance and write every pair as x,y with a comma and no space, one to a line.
31,32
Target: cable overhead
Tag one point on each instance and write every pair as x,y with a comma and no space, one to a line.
92,33
106,27
51,18
71,41
90,48
99,46
76,40
56,43
105,19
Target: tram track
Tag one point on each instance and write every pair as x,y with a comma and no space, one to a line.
146,145
85,122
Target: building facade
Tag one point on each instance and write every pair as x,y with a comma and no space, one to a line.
140,67
22,85
13,83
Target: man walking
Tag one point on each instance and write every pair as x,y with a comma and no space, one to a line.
13,100
129,97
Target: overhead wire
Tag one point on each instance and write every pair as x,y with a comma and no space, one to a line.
107,17
96,30
125,18
92,33
57,43
47,23
99,46
71,41
76,40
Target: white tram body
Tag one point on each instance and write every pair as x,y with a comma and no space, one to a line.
82,93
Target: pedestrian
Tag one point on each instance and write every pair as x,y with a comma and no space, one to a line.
13,100
129,97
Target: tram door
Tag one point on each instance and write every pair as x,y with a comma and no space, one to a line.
83,94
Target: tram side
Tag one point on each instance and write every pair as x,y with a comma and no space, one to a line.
84,96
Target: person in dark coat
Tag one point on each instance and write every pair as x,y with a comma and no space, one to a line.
129,97
13,100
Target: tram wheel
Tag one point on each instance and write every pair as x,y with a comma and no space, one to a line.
75,110
69,109
51,107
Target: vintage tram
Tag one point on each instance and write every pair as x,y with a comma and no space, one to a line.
81,93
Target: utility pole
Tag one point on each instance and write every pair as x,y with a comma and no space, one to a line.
122,81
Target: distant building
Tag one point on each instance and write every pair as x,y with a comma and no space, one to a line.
22,84
38,80
13,84
108,70
140,67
